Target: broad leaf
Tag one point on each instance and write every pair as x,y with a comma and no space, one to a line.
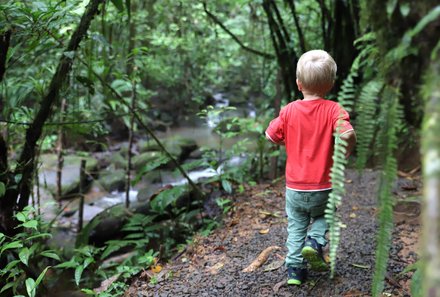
78,272
11,245
50,254
30,287
31,224
24,255
41,276
227,186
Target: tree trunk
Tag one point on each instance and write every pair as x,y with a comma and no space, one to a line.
286,55
431,175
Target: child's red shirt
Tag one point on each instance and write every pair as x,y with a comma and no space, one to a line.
306,127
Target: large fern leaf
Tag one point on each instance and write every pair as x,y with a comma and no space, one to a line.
346,98
388,137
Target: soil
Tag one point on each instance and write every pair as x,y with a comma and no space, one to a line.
212,265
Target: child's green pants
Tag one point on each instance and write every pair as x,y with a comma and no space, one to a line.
301,208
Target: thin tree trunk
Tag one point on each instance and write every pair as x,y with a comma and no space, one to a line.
431,175
25,165
60,156
130,147
131,73
82,187
5,39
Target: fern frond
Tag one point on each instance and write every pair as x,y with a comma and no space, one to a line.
388,136
346,99
335,198
366,107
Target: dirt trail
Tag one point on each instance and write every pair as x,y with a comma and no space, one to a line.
213,265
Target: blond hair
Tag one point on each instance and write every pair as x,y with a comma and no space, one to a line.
316,70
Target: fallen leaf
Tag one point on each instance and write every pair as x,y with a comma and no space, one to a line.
214,269
353,215
219,248
273,265
327,258
264,231
233,222
355,207
272,214
348,181
156,268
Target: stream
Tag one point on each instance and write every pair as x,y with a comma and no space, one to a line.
97,200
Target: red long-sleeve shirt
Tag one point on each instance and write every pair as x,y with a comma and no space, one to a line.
306,127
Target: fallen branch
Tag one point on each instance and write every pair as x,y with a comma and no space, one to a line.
262,257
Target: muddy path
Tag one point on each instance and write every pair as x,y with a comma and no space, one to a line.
212,266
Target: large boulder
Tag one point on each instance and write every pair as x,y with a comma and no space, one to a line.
180,147
112,179
70,173
143,159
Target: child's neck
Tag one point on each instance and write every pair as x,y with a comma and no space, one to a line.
311,96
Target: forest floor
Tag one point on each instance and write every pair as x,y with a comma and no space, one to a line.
212,265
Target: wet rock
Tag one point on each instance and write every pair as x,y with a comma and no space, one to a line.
112,180
144,159
70,173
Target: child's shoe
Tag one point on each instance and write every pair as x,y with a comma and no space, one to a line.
312,252
296,276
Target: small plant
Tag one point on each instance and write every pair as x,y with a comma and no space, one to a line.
224,204
27,257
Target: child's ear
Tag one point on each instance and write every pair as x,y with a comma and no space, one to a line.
298,83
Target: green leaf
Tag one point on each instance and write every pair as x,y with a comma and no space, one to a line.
41,276
21,217
78,272
31,224
11,245
24,255
416,284
2,189
11,265
391,6
7,286
69,264
50,254
30,287
227,186
404,9
118,4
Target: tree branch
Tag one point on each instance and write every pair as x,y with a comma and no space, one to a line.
25,165
302,42
236,39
